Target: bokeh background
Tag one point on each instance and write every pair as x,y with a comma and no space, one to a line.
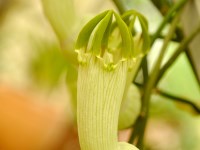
37,81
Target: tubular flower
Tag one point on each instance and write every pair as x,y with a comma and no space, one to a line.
104,65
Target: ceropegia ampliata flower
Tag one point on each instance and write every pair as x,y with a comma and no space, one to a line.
104,65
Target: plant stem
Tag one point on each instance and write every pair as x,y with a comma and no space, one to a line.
145,69
166,19
137,137
180,99
191,61
174,98
178,51
155,71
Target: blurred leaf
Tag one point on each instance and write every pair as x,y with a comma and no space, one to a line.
190,19
71,80
60,14
180,80
48,65
62,17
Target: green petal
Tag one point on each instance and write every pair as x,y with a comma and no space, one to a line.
144,25
145,34
99,33
127,42
85,33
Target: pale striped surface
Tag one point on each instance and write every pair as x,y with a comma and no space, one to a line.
100,94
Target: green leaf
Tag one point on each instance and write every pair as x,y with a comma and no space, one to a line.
71,81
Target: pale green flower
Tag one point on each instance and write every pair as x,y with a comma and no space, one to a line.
102,78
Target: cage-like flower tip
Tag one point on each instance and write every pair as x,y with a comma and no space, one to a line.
127,42
94,39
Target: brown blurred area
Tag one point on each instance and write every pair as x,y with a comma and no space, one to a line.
27,124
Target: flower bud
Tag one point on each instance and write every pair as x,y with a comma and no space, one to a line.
102,78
